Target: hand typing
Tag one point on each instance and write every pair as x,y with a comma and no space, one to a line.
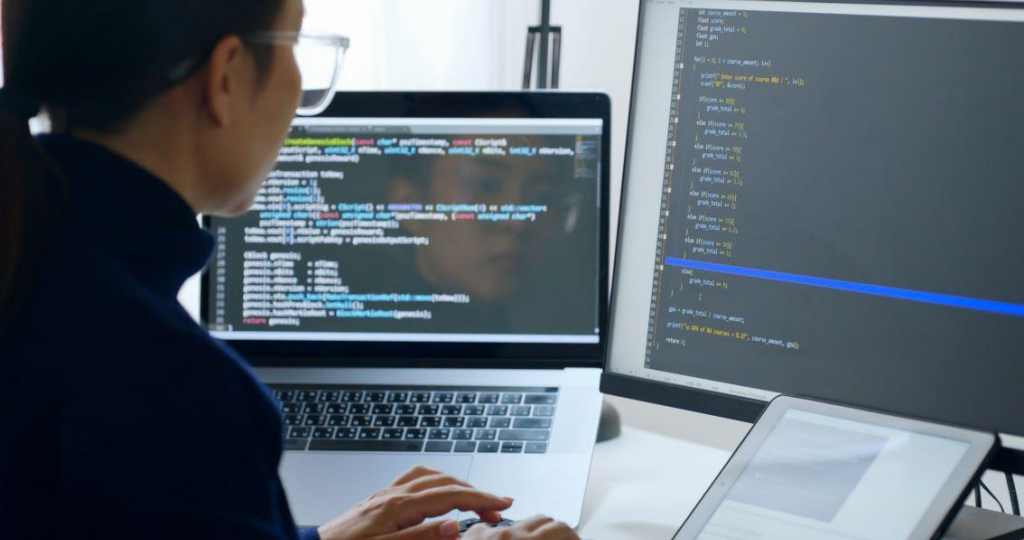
399,511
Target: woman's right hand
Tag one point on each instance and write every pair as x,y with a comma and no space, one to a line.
399,511
535,528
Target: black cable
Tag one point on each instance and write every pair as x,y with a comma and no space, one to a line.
993,495
1011,486
977,496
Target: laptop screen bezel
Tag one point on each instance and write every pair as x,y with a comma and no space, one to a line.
569,105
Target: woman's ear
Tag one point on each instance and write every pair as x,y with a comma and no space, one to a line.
224,80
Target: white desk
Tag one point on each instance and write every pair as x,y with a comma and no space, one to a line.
645,482
633,495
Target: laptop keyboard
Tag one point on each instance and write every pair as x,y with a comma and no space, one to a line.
485,420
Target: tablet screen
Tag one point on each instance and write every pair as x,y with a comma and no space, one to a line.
821,477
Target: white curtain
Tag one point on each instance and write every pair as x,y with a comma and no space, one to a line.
428,45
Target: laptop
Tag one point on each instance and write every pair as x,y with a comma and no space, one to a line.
422,280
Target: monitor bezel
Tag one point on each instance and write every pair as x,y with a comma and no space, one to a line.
702,400
532,105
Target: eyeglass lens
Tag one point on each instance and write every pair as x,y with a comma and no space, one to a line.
319,65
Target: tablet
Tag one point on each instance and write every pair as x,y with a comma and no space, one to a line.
811,470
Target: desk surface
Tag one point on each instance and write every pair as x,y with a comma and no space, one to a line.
644,483
634,495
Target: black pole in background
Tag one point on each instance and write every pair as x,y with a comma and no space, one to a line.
545,31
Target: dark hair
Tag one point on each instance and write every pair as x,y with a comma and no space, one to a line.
97,64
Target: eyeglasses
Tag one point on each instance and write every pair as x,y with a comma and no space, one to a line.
320,58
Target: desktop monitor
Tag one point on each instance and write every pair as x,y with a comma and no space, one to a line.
825,199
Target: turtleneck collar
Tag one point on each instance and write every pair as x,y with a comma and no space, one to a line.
130,214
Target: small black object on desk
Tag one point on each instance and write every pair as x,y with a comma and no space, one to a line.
465,524
610,425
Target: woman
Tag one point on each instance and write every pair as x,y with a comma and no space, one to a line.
123,418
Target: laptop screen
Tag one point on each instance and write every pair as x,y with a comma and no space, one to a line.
459,230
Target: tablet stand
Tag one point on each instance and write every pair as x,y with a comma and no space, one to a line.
978,524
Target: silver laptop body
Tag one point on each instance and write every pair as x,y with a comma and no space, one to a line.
341,287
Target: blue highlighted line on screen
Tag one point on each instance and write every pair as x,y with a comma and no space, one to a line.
924,297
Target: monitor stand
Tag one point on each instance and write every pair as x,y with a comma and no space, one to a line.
978,524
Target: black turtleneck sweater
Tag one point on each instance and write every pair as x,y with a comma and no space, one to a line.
122,417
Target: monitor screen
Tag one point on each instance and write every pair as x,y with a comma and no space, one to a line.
825,199
455,230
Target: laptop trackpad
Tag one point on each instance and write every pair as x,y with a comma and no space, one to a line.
322,485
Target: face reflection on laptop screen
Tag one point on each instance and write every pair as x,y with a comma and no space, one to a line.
460,230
